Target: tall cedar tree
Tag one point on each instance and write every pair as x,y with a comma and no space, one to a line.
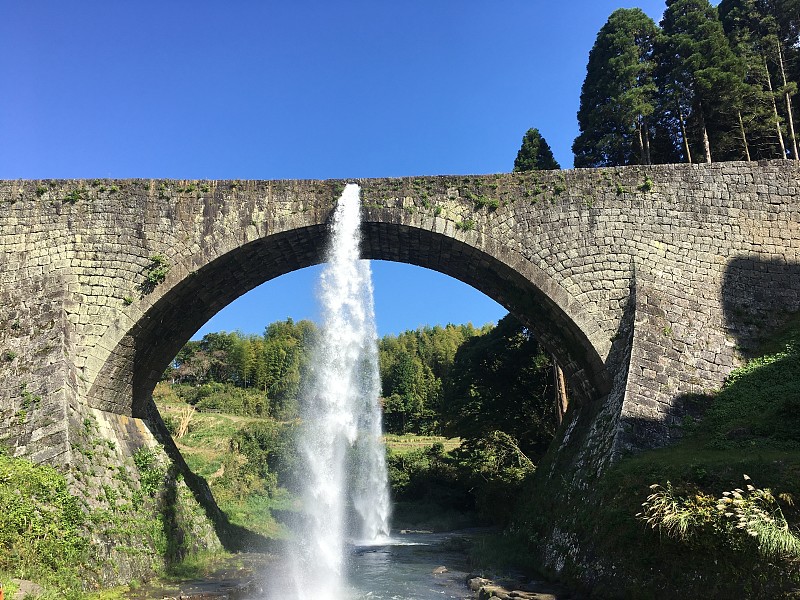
761,119
535,154
772,30
617,97
701,81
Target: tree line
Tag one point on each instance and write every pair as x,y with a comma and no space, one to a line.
456,380
707,83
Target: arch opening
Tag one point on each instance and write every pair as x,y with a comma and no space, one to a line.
125,382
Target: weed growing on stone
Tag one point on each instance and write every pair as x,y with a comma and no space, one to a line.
467,225
485,202
157,270
75,195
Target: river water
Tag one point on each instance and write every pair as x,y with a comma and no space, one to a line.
402,569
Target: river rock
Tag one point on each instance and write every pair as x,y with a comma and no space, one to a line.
439,570
26,589
476,583
493,591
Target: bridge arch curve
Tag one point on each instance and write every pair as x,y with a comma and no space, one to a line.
677,264
194,292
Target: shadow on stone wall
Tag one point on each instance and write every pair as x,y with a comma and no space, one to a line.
234,538
758,298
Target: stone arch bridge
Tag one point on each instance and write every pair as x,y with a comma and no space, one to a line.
647,284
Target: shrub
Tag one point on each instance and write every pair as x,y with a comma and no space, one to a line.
729,520
467,225
41,523
485,202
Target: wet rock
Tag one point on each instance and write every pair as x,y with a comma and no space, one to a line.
476,583
439,570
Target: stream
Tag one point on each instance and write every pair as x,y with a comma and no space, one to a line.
401,569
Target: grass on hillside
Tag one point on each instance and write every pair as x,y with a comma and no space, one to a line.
750,427
401,444
209,449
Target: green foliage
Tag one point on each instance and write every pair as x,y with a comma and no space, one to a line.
270,453
759,407
485,202
75,195
704,74
535,154
260,374
41,523
712,538
466,225
29,400
731,520
414,367
481,477
710,82
618,95
151,471
156,272
224,397
249,461
501,381
763,34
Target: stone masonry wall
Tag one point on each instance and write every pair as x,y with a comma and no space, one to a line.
647,283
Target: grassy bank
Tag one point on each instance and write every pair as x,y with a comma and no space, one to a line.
248,463
684,520
247,460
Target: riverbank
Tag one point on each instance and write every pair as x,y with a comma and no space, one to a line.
715,515
413,563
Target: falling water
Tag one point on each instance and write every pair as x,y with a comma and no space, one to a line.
346,492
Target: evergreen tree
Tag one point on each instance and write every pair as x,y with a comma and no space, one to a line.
701,79
535,154
782,20
770,30
617,97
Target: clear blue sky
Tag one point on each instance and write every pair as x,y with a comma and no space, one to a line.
248,89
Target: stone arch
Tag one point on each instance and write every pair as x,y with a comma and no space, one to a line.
137,359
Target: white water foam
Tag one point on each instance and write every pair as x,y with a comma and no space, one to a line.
346,491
